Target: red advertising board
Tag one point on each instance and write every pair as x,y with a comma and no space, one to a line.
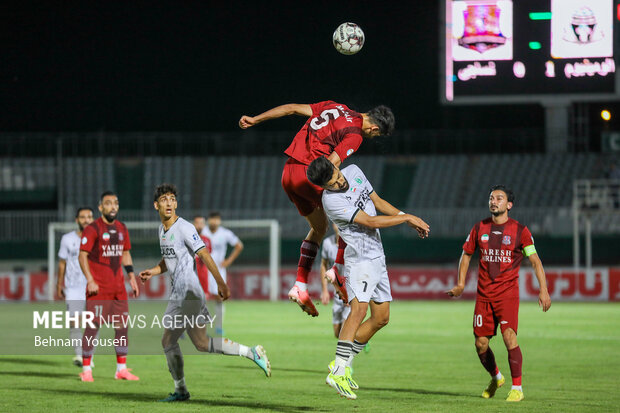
602,284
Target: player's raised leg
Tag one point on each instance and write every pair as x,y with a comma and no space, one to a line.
221,345
308,252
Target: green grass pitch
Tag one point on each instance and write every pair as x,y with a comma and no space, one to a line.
424,360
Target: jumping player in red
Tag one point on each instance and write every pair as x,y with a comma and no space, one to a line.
503,242
332,130
105,247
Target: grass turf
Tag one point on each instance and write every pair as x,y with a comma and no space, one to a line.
424,360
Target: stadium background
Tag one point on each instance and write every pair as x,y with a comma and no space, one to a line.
125,95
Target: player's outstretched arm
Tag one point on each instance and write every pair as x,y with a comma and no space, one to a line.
457,290
91,286
205,257
324,292
383,206
544,300
385,221
156,270
275,113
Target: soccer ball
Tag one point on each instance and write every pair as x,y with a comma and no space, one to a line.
348,38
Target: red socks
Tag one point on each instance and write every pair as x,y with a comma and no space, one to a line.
515,359
340,255
308,253
488,361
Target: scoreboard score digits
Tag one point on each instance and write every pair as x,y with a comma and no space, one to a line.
503,51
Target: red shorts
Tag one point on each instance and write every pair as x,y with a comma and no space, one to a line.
305,195
489,314
108,305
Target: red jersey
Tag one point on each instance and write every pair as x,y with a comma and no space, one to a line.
501,252
332,127
201,268
105,245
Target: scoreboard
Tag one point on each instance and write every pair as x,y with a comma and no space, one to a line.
503,51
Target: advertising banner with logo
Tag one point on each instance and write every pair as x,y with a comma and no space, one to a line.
602,284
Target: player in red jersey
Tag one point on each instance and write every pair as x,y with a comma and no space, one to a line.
201,269
332,130
105,248
503,242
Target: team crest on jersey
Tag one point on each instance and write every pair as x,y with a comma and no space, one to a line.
358,180
120,236
507,240
172,237
105,236
484,237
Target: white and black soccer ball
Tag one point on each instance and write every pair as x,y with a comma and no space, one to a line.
348,38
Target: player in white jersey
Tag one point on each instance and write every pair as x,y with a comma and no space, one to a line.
71,283
179,242
220,238
340,309
351,203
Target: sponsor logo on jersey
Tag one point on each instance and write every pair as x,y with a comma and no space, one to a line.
112,250
105,236
497,232
168,252
363,199
84,241
503,322
349,152
507,240
496,255
484,237
112,231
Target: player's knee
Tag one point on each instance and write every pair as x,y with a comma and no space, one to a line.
482,344
202,345
382,321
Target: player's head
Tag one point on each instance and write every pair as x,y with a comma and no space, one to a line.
165,200
200,223
214,220
501,200
83,217
108,206
380,122
323,173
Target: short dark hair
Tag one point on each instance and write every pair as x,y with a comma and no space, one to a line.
164,189
82,208
383,117
320,171
107,193
214,214
509,194
199,216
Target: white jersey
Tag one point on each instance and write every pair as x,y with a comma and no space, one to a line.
341,207
178,248
75,281
220,240
329,250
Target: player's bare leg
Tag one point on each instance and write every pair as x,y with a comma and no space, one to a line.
309,249
515,360
487,358
174,357
221,345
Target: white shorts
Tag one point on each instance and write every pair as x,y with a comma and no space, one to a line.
187,313
368,281
75,293
340,312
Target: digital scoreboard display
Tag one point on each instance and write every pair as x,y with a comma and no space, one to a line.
529,50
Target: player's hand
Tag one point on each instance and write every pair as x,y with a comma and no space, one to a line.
134,285
225,264
92,288
145,276
223,291
59,292
456,291
544,301
419,225
325,297
246,122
